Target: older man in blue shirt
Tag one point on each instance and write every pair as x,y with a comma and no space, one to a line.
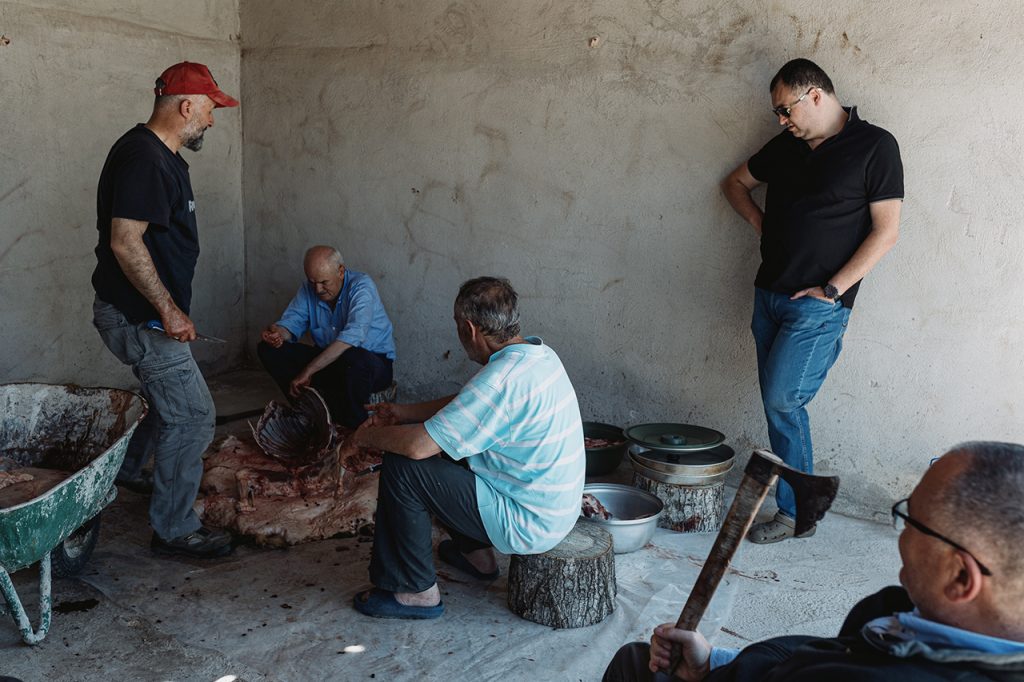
354,349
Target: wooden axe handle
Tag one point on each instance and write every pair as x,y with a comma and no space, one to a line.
758,477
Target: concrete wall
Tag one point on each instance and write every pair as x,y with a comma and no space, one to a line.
433,141
73,77
438,140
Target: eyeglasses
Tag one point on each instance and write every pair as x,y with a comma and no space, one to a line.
900,515
787,110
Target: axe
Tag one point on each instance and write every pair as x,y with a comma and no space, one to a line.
814,495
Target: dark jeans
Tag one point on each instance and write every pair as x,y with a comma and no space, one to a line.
180,422
345,384
409,492
630,665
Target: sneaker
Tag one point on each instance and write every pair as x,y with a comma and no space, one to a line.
779,528
205,543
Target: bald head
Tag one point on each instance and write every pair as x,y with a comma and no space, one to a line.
322,255
325,270
965,514
983,492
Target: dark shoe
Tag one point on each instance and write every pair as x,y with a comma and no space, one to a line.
143,485
450,554
776,530
205,543
382,604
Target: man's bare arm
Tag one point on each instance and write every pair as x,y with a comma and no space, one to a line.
137,265
276,335
737,187
885,230
326,357
409,440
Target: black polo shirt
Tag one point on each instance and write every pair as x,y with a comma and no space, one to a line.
816,209
144,180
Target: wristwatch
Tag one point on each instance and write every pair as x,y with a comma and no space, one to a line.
831,291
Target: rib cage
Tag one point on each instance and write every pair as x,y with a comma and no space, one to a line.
299,435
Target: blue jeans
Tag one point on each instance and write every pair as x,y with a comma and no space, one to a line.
180,422
797,343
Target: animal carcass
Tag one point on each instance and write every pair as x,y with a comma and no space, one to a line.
293,480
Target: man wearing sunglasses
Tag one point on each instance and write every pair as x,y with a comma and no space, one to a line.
832,209
958,616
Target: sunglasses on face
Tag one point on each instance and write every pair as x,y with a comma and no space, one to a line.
785,111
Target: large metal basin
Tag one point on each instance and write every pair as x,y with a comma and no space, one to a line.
634,512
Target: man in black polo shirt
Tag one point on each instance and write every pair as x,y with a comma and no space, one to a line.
146,256
832,210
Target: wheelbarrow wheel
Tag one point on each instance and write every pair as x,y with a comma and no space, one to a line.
71,556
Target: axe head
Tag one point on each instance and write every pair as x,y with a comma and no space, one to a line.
814,494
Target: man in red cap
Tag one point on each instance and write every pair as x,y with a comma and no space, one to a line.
146,256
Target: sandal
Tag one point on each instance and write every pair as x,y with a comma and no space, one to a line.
382,604
779,528
450,554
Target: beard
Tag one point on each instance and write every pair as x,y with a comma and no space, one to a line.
194,141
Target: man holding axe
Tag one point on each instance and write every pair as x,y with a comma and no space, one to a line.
958,615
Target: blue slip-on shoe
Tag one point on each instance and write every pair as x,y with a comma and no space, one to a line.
380,603
450,554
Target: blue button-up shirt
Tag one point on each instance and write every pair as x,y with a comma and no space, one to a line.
358,317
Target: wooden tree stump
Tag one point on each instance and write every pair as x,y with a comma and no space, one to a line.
688,508
570,586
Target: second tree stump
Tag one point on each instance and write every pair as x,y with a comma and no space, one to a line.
688,508
570,586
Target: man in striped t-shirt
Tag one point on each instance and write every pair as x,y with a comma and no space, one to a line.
516,429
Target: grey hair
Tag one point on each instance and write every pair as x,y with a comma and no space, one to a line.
336,258
988,495
330,254
492,305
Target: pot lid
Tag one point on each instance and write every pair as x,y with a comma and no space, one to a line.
674,437
710,461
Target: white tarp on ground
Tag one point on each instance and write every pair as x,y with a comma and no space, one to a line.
288,613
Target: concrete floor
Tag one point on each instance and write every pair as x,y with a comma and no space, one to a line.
286,614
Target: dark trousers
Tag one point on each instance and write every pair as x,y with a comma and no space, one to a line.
345,384
630,665
410,491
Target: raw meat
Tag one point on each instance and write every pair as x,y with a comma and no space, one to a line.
27,483
302,487
593,509
594,443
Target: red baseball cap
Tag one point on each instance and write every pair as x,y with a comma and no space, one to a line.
192,78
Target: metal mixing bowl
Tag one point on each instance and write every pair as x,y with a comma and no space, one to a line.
634,514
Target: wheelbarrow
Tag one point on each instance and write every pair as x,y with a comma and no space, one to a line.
75,438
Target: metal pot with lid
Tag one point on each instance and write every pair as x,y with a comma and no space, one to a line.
684,466
679,454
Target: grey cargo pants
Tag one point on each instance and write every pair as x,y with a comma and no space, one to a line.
180,423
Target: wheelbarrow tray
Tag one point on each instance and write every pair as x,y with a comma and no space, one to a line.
82,430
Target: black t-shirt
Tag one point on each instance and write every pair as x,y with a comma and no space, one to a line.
817,207
143,180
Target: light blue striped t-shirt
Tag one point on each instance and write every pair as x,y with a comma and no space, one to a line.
518,423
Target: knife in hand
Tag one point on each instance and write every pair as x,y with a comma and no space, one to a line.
156,326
